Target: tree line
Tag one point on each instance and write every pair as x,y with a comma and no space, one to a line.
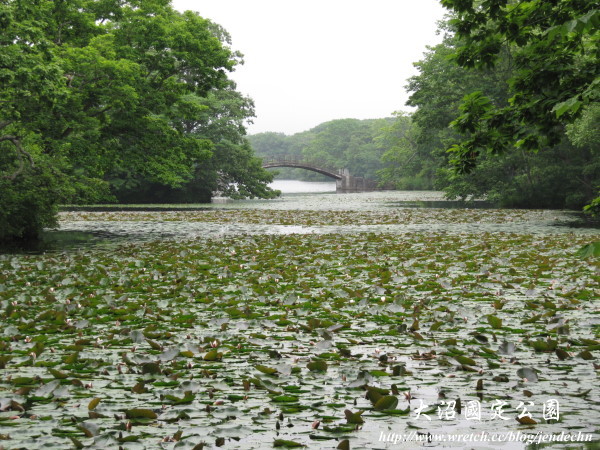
506,109
131,101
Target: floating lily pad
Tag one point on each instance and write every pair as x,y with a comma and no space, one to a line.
465,360
386,402
265,369
354,417
140,413
317,365
286,443
528,373
495,322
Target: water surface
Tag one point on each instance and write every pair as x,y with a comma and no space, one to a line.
209,318
395,212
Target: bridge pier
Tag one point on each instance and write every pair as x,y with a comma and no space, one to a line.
347,183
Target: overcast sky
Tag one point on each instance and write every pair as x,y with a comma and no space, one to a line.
310,61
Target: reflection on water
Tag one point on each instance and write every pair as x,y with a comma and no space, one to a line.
58,240
302,187
101,231
477,204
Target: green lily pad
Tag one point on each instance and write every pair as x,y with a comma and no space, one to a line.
495,322
140,413
465,360
286,443
265,369
354,417
317,365
386,402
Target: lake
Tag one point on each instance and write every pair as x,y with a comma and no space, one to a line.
306,320
308,212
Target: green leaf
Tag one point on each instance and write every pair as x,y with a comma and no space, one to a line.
589,250
495,322
465,360
265,369
140,413
586,354
286,444
317,365
397,412
571,105
93,403
58,374
285,399
344,445
544,346
354,418
213,355
187,398
386,402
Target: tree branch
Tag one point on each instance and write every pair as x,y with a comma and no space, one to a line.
5,124
21,152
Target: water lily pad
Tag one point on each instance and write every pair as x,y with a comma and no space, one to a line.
528,373
562,354
212,355
544,346
386,402
265,369
354,417
93,403
317,365
151,368
465,360
140,413
526,420
344,445
285,398
495,322
286,443
58,374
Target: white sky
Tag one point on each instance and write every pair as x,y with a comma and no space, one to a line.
310,61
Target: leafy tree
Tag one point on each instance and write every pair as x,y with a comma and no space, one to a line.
271,145
95,90
232,168
409,163
553,47
236,171
437,92
518,178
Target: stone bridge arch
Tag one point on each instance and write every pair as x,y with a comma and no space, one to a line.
344,182
318,168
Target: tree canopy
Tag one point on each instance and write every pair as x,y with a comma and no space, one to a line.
351,144
101,95
447,94
552,51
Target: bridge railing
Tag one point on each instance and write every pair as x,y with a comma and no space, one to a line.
295,160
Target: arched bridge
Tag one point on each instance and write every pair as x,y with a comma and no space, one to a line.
294,162
344,181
